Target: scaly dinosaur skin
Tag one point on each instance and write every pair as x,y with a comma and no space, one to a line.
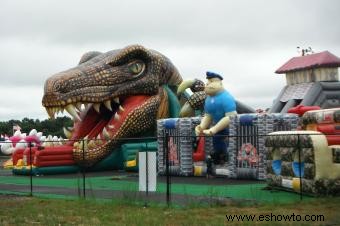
122,93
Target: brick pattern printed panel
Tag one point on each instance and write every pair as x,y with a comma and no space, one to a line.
249,130
183,137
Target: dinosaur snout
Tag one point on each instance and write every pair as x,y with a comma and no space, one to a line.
52,90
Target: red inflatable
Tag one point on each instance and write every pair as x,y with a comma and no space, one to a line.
17,154
333,139
199,154
57,150
328,129
55,163
43,158
300,109
27,153
54,156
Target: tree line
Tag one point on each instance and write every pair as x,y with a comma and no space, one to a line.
52,127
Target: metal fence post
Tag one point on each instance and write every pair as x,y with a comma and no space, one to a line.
31,170
83,168
166,150
147,174
300,165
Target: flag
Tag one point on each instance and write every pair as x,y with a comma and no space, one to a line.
16,127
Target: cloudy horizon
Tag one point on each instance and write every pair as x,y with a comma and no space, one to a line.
245,41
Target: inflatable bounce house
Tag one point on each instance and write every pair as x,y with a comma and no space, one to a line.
312,84
303,160
312,80
247,154
120,99
308,159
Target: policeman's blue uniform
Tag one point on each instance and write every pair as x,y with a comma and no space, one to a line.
217,106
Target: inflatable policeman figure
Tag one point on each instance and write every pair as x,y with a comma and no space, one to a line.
219,106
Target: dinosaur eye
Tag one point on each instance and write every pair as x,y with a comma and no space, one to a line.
136,68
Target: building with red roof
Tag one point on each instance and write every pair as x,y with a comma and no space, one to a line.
312,80
311,68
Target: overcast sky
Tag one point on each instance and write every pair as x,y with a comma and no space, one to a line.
244,40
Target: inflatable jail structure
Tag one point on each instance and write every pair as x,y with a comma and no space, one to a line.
247,132
182,145
247,154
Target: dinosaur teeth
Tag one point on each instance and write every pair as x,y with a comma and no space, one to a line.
116,117
116,99
111,126
50,112
106,134
70,129
96,107
54,111
72,111
121,108
59,109
107,104
78,106
67,133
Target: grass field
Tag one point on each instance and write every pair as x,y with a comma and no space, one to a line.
253,191
19,210
240,200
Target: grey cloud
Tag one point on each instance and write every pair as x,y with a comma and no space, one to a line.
244,23
245,40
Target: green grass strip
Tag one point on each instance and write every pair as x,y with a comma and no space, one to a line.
244,191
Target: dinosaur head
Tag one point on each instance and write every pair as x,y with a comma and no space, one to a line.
112,95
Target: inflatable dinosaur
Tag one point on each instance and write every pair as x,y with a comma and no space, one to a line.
122,91
113,95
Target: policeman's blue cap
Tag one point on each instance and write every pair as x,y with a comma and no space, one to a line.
213,75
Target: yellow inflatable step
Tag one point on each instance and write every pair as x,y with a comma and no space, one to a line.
8,164
131,163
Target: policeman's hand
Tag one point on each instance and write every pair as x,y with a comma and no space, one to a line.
198,130
208,132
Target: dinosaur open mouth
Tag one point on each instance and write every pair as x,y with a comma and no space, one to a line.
99,123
